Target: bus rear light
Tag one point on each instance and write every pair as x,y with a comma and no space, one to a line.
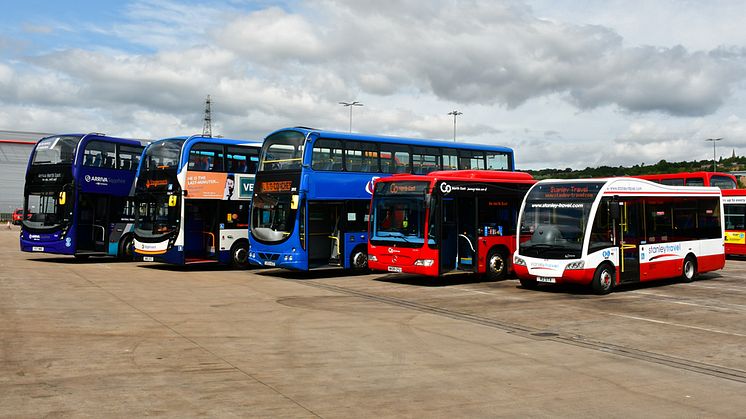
518,261
424,262
575,265
372,258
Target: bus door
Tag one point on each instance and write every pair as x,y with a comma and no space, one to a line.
201,233
93,224
324,233
466,221
449,235
630,236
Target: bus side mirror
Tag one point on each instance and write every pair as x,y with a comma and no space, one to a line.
172,200
62,198
614,212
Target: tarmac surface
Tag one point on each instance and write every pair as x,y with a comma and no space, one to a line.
101,338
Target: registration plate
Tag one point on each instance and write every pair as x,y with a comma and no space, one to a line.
546,279
37,249
147,258
269,263
394,269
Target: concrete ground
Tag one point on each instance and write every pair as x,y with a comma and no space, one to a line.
102,338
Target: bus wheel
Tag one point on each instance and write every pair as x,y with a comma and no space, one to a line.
689,271
359,259
125,248
603,280
527,283
496,265
240,255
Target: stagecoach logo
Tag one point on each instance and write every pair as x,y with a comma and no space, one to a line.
369,185
445,188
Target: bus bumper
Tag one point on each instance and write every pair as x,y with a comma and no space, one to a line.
47,243
569,276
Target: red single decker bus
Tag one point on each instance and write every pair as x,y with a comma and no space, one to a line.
734,208
719,179
446,221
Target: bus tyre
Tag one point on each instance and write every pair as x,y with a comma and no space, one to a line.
240,255
497,265
359,259
603,280
125,248
528,284
689,270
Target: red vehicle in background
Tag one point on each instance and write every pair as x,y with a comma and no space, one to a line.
446,221
721,180
17,216
734,209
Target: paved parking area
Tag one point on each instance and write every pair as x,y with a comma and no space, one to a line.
103,338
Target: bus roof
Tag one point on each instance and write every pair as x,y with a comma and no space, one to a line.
682,175
215,140
626,186
464,175
393,140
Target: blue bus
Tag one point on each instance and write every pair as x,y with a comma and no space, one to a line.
77,196
193,196
313,190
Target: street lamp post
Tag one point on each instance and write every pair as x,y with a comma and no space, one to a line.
455,113
714,158
350,105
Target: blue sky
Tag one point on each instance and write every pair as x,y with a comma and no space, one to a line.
565,83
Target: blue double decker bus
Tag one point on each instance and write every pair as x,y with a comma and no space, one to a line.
77,196
313,190
193,196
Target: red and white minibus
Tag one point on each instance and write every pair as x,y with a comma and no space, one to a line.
605,232
446,221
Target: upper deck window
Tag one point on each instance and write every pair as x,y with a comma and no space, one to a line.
327,155
282,151
471,160
242,159
497,161
206,157
361,157
162,154
55,150
425,160
100,154
723,182
128,157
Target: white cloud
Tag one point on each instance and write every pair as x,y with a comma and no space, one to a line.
562,90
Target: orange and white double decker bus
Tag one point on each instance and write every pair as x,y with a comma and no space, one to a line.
446,221
734,207
606,232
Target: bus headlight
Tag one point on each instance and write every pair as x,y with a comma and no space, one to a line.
518,261
372,258
424,262
288,257
575,265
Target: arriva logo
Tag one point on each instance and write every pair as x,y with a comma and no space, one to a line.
606,254
369,185
445,188
97,179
